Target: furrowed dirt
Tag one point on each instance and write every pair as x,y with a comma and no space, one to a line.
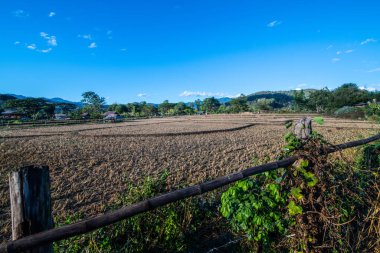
91,164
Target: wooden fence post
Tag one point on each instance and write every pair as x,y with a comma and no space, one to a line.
31,203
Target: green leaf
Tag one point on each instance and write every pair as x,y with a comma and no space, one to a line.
288,124
319,120
294,209
304,163
310,178
296,193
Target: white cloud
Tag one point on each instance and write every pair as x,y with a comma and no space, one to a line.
142,95
20,14
123,49
85,36
329,47
367,88
206,94
374,70
109,34
345,52
52,14
335,59
274,23
45,50
31,47
17,43
34,47
92,45
301,86
51,40
367,41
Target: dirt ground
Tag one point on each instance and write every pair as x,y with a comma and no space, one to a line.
91,164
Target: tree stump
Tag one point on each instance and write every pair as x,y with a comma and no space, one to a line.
31,203
302,129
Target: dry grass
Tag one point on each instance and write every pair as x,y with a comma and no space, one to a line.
88,172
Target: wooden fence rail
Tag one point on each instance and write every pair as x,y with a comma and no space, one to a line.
90,224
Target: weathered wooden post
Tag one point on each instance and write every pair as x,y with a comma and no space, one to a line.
303,129
31,203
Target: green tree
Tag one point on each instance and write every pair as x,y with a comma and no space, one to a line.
239,104
75,114
66,108
164,107
319,100
224,109
134,109
49,109
4,98
192,105
300,100
93,103
179,108
210,105
119,108
31,106
263,104
347,95
148,109
113,107
198,104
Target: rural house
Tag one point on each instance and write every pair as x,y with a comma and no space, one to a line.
112,116
60,116
12,114
85,115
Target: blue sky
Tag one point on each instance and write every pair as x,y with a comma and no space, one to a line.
182,50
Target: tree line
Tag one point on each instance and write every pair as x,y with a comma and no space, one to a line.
347,99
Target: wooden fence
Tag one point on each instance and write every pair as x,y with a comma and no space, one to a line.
41,241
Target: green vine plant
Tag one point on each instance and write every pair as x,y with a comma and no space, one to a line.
311,206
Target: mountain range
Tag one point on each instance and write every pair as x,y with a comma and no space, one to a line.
282,96
52,100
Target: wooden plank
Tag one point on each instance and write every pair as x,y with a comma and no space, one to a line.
31,203
17,210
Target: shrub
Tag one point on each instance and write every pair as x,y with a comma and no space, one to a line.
315,205
171,228
252,206
349,112
370,156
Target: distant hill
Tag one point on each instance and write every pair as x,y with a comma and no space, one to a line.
61,100
224,100
282,98
286,92
16,96
5,97
52,100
